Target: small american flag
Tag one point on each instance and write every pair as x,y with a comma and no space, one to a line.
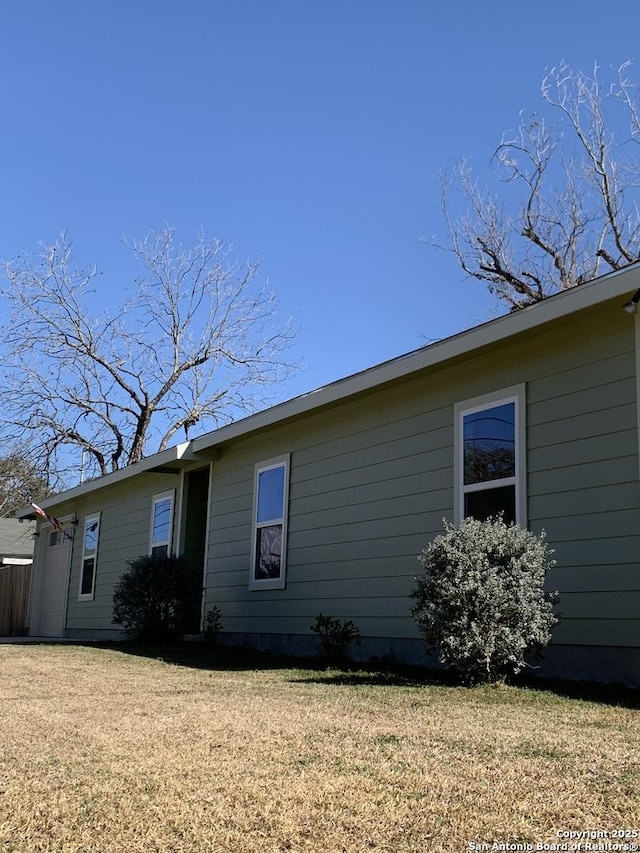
50,518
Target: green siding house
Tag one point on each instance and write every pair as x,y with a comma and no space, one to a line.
322,503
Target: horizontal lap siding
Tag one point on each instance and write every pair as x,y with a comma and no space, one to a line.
369,484
584,487
372,479
125,518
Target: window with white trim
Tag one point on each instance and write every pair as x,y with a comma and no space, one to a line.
161,525
490,457
270,503
89,558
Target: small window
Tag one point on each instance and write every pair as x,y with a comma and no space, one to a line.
161,525
270,524
89,557
490,457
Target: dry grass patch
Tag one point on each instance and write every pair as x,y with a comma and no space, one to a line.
104,751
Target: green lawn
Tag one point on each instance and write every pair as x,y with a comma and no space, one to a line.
105,750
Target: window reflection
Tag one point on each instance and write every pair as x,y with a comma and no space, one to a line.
489,444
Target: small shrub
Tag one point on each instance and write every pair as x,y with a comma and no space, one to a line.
480,602
336,638
158,598
212,626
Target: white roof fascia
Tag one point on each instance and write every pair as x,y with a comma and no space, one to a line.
181,452
555,307
619,283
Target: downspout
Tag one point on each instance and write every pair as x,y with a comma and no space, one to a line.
207,530
632,307
637,337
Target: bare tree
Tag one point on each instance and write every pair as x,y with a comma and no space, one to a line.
195,344
567,208
20,483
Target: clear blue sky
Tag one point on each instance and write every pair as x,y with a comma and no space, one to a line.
308,132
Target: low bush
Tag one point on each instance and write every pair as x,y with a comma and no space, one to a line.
336,638
480,602
158,598
212,626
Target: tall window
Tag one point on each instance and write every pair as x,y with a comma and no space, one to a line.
161,525
490,457
271,492
89,557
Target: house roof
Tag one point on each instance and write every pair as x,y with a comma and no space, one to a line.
16,539
619,284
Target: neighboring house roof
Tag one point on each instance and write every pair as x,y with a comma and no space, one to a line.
16,541
619,284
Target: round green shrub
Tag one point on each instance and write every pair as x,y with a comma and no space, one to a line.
158,599
480,602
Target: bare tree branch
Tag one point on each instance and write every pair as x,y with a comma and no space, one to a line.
20,483
568,192
196,343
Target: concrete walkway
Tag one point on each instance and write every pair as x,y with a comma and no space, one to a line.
22,640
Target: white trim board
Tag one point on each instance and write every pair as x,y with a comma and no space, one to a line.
619,284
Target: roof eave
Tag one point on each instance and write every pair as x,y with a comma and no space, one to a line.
553,308
171,460
619,283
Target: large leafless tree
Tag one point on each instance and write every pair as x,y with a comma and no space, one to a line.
193,345
566,205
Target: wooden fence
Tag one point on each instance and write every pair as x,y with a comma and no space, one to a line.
14,600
